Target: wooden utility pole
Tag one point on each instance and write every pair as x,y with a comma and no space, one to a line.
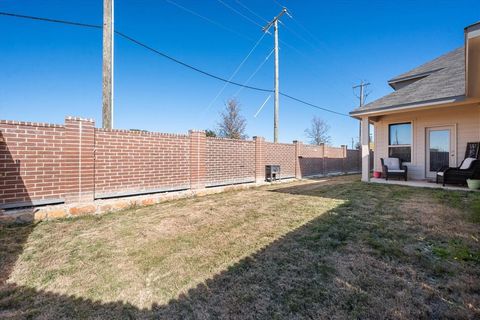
276,96
362,94
276,102
107,71
361,97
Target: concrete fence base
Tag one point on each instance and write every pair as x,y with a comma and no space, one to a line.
99,207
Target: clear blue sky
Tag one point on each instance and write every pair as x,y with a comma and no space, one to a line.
49,71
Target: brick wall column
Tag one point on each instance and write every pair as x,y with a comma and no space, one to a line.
298,154
344,158
78,168
259,159
324,162
198,149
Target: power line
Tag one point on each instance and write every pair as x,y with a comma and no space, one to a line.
313,105
296,34
254,73
188,65
261,107
314,47
78,24
131,39
319,44
208,19
363,93
279,4
313,37
251,11
236,71
281,41
239,13
141,44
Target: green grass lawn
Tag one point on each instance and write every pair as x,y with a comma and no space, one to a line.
333,248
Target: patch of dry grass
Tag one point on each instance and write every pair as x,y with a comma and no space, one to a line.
332,248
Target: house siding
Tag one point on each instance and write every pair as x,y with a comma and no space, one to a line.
466,120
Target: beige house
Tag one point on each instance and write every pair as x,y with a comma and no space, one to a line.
431,115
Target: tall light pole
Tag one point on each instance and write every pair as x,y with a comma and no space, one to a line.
107,69
276,102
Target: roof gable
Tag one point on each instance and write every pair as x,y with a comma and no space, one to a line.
431,66
443,77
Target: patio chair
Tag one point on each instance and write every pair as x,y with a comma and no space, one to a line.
393,167
468,169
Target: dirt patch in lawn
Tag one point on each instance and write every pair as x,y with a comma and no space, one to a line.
333,248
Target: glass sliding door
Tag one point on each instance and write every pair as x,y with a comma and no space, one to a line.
440,149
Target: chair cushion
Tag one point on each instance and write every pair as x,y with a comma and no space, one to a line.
440,173
398,170
392,163
467,163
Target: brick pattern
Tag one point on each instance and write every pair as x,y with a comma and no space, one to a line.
197,159
259,159
78,163
229,161
322,160
30,161
334,160
77,160
129,161
298,151
282,154
354,161
311,160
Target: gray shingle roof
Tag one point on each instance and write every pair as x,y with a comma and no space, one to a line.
443,77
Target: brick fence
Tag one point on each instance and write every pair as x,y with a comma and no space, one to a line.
76,162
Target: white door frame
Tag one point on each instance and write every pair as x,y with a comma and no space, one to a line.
453,147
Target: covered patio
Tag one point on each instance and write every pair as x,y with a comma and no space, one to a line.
430,122
421,184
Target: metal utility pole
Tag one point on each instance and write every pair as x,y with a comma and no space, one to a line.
274,22
107,70
361,97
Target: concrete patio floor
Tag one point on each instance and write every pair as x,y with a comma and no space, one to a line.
421,184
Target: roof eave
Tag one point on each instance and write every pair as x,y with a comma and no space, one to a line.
472,25
447,101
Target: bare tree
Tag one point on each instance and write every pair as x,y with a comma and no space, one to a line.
318,131
232,124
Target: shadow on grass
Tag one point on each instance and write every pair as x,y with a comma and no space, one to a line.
290,278
287,278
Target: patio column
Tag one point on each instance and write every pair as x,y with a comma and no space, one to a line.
365,140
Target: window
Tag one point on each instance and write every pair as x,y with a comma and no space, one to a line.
400,141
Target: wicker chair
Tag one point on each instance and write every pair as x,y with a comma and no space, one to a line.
468,169
393,167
